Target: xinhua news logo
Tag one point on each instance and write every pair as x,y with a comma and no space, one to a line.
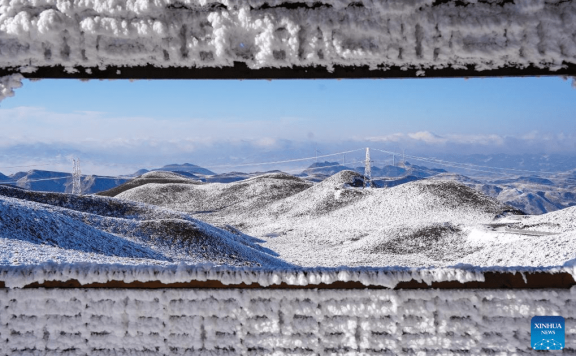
547,333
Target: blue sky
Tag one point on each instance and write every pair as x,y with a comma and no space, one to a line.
120,126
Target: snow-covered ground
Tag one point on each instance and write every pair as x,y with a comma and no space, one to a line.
333,223
417,34
41,227
279,220
531,194
148,178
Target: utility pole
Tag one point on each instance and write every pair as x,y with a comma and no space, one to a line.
76,175
367,169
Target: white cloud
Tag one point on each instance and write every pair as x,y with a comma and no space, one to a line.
434,139
31,124
396,137
265,142
427,137
119,145
483,140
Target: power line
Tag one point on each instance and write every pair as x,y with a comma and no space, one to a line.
467,166
217,166
286,161
458,165
36,180
316,168
129,178
58,178
504,174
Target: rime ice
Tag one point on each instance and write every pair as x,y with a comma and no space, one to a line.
284,33
274,322
8,84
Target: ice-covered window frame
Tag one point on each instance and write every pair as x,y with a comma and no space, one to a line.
286,38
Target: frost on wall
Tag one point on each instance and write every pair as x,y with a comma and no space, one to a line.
8,84
282,33
87,273
274,322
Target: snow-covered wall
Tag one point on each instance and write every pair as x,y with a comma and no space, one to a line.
419,34
389,277
266,322
8,84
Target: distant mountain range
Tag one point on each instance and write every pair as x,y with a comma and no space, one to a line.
48,181
321,170
532,194
186,167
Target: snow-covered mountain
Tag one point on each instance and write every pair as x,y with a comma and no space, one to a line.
324,168
234,176
335,222
158,177
530,240
38,227
392,182
276,217
203,199
186,167
319,171
532,194
404,169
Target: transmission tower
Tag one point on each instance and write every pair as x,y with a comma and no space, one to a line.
76,175
403,159
367,169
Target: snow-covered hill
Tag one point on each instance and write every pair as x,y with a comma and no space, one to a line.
538,240
421,223
404,169
257,221
319,171
38,227
219,201
186,167
323,168
533,194
149,178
